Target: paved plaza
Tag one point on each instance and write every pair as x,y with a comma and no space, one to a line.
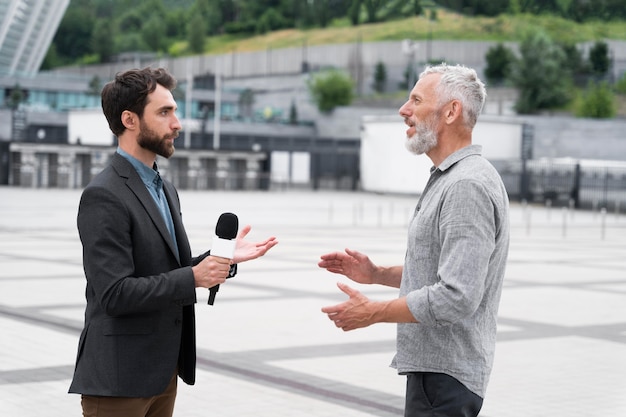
266,350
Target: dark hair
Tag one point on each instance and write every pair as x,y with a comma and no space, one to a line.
129,91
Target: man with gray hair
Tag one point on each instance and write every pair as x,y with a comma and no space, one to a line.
458,240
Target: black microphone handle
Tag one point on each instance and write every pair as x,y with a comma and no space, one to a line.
225,232
212,293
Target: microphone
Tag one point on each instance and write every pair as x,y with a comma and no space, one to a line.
224,243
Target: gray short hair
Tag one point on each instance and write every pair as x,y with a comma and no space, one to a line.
460,83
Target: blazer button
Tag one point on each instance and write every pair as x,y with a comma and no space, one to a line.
177,322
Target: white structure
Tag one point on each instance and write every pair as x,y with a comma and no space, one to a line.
26,31
388,167
88,127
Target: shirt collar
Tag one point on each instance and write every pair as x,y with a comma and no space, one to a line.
149,176
458,155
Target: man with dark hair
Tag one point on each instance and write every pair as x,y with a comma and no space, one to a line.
139,329
457,247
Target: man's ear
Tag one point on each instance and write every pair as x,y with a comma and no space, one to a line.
129,119
453,111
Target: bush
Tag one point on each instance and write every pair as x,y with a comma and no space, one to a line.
380,77
331,89
540,77
599,58
620,85
271,20
598,102
499,60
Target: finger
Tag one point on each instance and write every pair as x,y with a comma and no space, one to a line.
267,245
325,264
330,256
332,310
244,231
356,254
269,241
220,260
334,270
351,292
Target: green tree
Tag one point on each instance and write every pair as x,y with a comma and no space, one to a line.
270,20
211,13
620,85
16,97
73,37
95,86
102,40
246,103
499,61
354,13
417,7
322,12
599,58
196,33
514,7
330,89
293,113
598,101
153,35
540,76
576,63
477,7
372,7
380,77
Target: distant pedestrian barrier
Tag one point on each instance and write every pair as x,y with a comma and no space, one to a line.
585,184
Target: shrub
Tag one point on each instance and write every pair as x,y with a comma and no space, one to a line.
380,77
598,101
499,61
330,89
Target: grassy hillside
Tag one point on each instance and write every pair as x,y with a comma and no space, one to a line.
447,26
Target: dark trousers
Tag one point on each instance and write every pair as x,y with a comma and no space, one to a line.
159,406
439,395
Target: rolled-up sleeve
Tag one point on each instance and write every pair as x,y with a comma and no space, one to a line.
466,234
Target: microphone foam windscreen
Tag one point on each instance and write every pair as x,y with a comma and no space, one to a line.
227,226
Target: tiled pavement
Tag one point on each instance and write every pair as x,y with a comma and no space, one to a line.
265,349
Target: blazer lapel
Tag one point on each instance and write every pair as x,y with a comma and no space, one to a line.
136,185
182,241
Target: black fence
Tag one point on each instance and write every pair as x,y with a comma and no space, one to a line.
578,184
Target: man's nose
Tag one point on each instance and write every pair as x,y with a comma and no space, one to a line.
176,123
404,110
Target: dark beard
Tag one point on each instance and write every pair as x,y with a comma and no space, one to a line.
149,140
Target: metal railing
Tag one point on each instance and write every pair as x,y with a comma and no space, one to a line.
561,183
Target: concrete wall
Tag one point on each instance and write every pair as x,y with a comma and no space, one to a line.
357,57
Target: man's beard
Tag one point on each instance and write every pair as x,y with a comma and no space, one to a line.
149,140
424,138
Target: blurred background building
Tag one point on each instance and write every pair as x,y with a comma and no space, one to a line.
249,121
26,31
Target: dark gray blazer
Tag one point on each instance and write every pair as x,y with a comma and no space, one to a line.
139,318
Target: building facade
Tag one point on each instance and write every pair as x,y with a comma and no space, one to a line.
26,31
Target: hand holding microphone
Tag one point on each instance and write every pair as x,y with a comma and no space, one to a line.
229,248
224,243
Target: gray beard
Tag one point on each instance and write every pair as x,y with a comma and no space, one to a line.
423,140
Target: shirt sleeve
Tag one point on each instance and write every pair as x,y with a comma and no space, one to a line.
467,240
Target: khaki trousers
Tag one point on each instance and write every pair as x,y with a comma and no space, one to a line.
161,405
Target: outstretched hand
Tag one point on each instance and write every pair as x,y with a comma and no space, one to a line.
357,312
246,251
354,265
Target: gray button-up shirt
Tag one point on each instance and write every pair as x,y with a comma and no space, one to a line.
458,242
